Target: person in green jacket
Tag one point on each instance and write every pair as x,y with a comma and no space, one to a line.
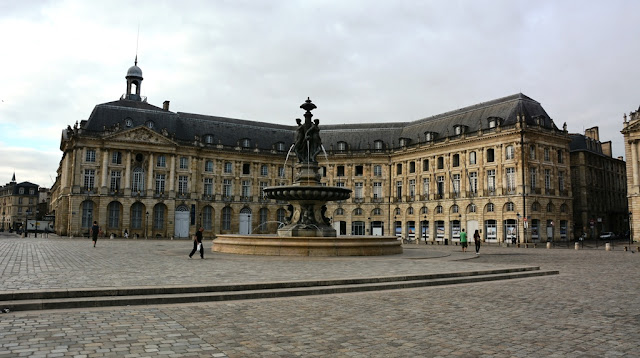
463,240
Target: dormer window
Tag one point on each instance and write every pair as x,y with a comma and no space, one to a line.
149,124
492,122
458,129
429,136
280,147
378,145
246,143
208,139
342,146
404,142
128,122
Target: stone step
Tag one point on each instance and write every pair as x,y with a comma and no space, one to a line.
91,298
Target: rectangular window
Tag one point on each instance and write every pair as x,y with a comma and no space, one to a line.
358,191
226,218
425,188
534,177
263,184
440,183
184,163
340,184
246,188
456,160
399,189
491,180
226,187
89,178
456,184
281,172
561,181
160,180
560,158
208,186
359,170
91,156
472,158
473,182
546,154
490,155
158,218
412,167
161,162
264,170
377,170
246,168
340,170
377,190
208,166
547,179
182,184
412,188
116,158
510,152
115,180
425,165
532,152
511,180
440,162
399,169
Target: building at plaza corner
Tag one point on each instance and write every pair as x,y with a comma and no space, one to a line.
631,133
501,167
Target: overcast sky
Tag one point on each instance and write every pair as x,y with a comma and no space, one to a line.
359,61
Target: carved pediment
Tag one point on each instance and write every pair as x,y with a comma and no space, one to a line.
140,135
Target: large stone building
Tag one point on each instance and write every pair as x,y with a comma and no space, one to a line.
599,186
19,203
631,133
501,167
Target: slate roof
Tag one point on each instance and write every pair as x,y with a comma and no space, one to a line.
359,136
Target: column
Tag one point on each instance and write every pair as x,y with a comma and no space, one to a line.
150,176
634,163
105,168
172,174
127,174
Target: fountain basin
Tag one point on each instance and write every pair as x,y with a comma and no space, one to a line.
307,192
274,245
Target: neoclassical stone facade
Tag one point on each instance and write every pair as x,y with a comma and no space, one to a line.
631,133
501,167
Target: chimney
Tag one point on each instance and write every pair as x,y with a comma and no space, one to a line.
165,106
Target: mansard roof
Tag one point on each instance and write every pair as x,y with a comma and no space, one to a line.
359,136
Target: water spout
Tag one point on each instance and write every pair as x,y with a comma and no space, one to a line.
280,224
326,157
289,152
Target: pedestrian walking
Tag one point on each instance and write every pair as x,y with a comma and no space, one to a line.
126,234
476,239
95,230
463,240
197,244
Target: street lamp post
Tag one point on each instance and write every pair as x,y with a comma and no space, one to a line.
630,230
146,227
26,223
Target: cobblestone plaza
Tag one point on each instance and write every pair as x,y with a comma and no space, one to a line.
589,310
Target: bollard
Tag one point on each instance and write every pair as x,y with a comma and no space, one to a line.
577,246
548,245
607,246
626,249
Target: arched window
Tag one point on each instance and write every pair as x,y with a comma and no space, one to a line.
264,217
424,210
357,212
490,208
207,217
549,208
137,181
455,209
114,215
563,208
410,211
226,218
535,206
136,215
376,212
158,216
510,206
398,212
439,209
510,152
339,211
280,217
472,208
87,214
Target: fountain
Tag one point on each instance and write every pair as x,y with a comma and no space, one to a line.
307,232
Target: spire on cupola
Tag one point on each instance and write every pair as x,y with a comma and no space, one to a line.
134,79
13,178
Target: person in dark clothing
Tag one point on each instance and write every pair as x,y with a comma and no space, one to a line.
197,244
95,230
476,239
